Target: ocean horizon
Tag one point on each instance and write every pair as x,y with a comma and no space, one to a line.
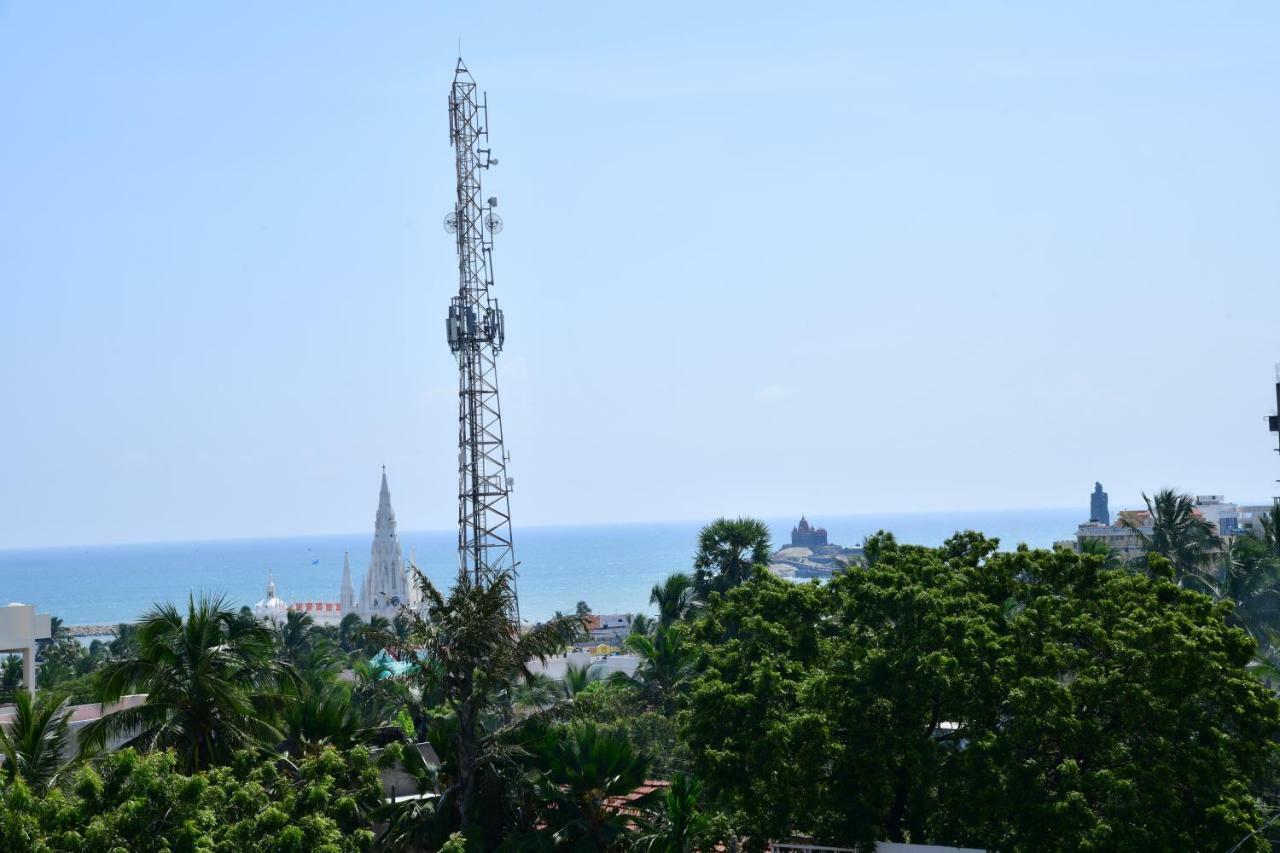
611,566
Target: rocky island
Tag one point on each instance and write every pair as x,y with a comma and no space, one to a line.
810,555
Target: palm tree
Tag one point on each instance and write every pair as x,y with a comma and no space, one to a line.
1271,530
642,623
211,683
10,672
124,640
378,696
349,630
373,637
578,676
679,825
1094,547
320,717
293,635
36,743
477,652
583,771
1248,577
665,663
538,692
301,644
728,552
419,823
1186,539
674,597
400,634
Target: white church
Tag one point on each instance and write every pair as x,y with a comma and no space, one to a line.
387,584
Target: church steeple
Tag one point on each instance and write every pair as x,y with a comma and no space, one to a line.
386,518
385,588
347,598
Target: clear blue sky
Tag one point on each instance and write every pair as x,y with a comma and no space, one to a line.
758,258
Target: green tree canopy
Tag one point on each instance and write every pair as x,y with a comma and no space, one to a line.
143,803
1030,700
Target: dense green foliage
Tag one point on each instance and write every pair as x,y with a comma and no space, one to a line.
1026,700
145,803
1031,700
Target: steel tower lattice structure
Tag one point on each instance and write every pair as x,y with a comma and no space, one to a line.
476,332
1273,422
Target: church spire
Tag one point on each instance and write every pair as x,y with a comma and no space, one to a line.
386,515
384,587
347,597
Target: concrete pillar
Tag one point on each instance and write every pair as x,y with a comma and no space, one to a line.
29,670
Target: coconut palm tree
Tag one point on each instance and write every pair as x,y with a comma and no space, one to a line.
1248,577
124,640
579,676
293,635
642,623
678,823
378,696
538,692
349,630
10,672
37,742
675,598
321,716
665,662
211,683
400,635
1094,547
305,647
477,652
583,771
1271,530
728,552
373,637
1186,539
420,823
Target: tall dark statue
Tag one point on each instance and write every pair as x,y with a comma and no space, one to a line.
1098,510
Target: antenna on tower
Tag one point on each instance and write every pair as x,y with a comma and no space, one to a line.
476,330
1273,422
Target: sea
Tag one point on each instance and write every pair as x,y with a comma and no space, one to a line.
610,567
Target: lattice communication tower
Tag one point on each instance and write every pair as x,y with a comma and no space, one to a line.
476,332
1274,421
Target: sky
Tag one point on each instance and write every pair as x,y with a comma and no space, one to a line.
758,259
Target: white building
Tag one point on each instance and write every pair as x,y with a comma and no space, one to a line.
609,627
386,585
20,627
271,607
